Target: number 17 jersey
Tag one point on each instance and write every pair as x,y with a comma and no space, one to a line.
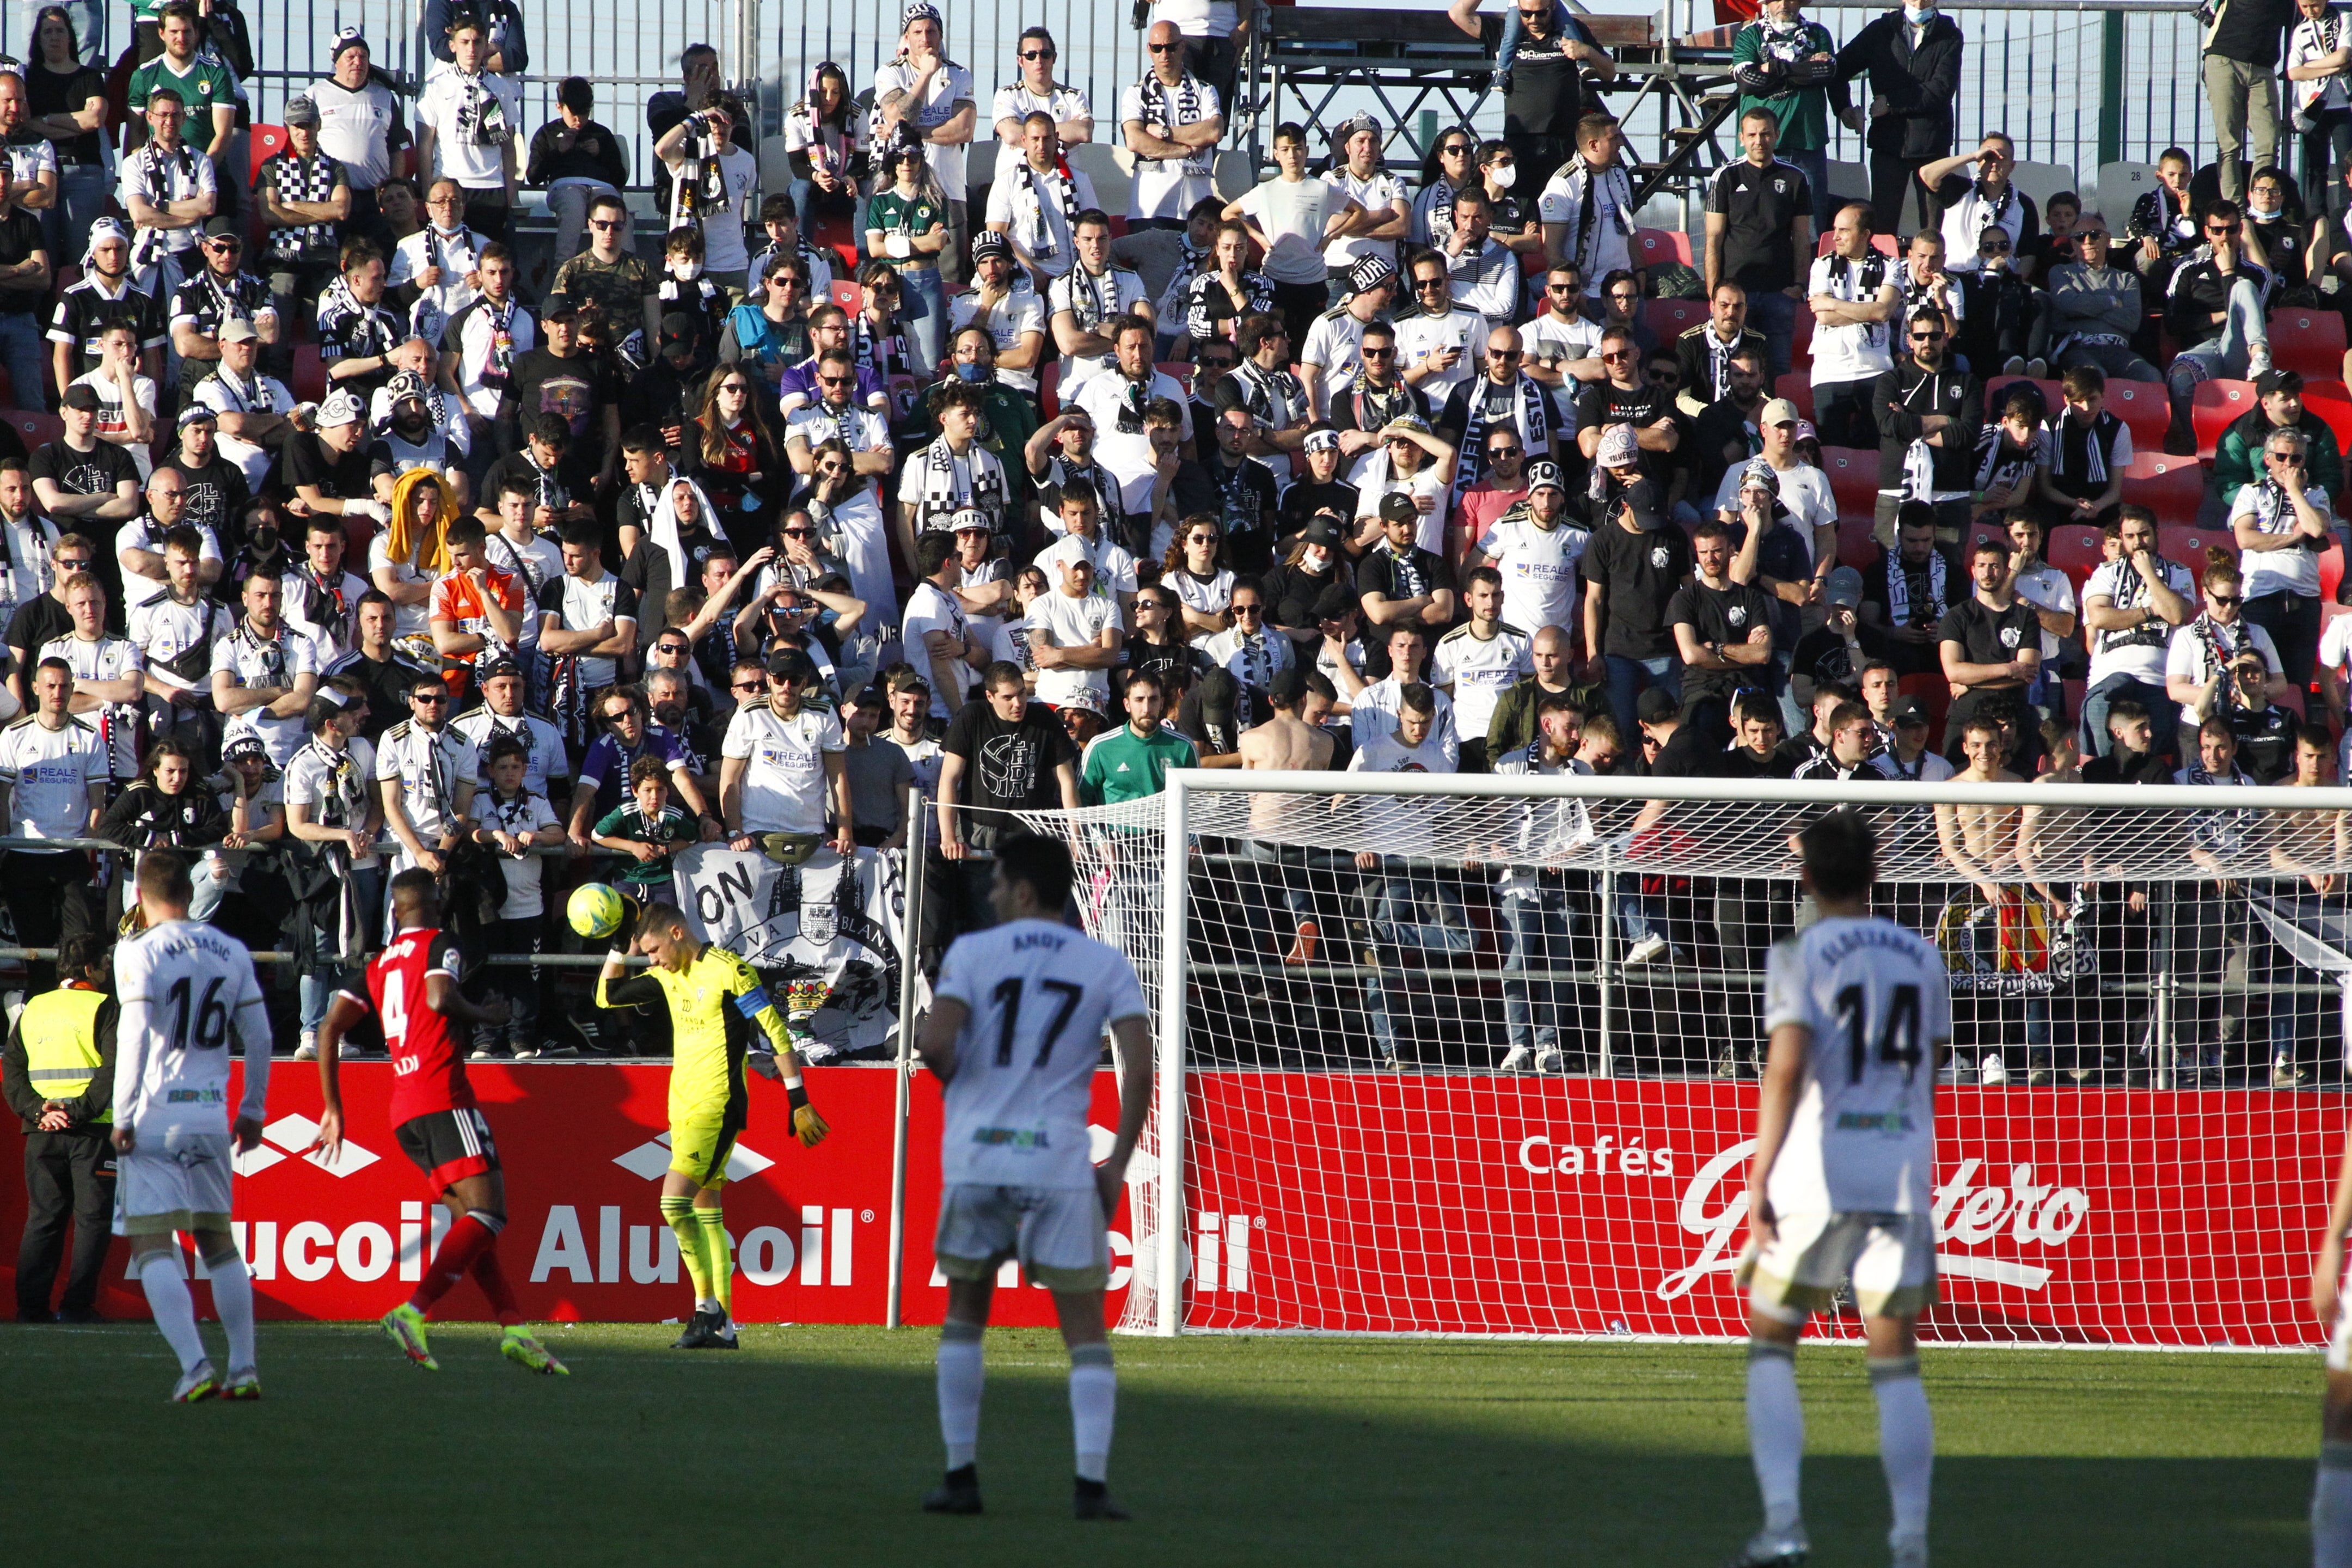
1040,994
1863,1136
428,1071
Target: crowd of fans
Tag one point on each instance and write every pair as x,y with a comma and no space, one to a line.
884,480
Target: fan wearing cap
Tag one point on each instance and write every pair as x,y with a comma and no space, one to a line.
1413,467
220,291
1331,354
415,426
1003,304
1800,487
1357,172
1536,545
922,94
1320,486
83,483
328,466
104,293
562,380
1399,582
306,200
1833,652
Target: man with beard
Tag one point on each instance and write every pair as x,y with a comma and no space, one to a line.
218,293
1905,595
1501,396
139,545
1728,431
254,412
1332,358
561,379
1115,400
835,415
1928,413
1495,497
1537,548
412,438
215,487
484,338
379,664
27,541
101,296
696,738
263,676
547,771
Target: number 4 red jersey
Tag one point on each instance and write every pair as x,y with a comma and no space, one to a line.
429,1069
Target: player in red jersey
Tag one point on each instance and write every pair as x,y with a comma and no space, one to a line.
414,986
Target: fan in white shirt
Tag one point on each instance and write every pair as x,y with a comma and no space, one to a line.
1035,201
1074,638
1387,215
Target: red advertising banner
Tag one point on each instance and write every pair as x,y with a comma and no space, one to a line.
1470,1204
584,1146
1346,1202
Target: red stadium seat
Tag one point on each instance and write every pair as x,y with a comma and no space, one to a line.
1881,243
1178,370
1669,319
833,230
1797,386
2331,570
1933,693
1853,480
1046,378
267,141
310,373
2172,488
2075,692
2186,546
2145,409
2216,404
38,428
2077,549
2332,401
848,295
2309,341
1653,245
1800,350
1856,546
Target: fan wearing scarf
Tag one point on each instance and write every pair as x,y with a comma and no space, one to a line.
2007,451
1172,122
2130,605
169,189
1907,593
436,271
332,802
466,120
1928,413
955,473
1587,209
1038,201
1973,192
2086,451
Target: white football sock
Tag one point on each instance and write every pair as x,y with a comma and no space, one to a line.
233,1299
2331,1508
962,1373
175,1313
1906,1443
1776,1429
1094,1398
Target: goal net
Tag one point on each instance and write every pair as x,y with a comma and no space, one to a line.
1478,1055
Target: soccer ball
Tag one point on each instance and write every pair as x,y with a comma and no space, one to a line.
595,911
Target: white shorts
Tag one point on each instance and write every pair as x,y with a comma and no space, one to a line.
1889,1258
1059,1234
177,1181
2340,1341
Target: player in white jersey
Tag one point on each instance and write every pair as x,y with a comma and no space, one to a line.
1015,1035
1858,1011
2331,1497
186,991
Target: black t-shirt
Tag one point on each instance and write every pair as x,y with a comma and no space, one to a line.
340,476
1822,658
1988,636
66,92
82,314
1305,498
1546,95
1173,662
2250,30
1726,614
1291,591
578,390
20,235
39,622
1007,767
1759,208
1601,404
216,498
1639,576
96,473
387,684
1359,407
1686,755
1406,576
1214,735
1243,492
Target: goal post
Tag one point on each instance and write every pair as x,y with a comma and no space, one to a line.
1345,1136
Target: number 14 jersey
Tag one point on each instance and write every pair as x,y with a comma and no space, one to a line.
1040,993
1863,1136
428,1071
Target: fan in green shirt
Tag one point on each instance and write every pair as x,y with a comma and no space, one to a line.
207,90
1132,761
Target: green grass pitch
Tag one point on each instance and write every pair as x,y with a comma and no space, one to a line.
812,1446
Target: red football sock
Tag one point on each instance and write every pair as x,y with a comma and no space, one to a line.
467,1239
492,1278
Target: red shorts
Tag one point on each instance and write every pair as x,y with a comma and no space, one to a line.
448,1145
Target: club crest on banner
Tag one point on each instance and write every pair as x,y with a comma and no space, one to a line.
824,932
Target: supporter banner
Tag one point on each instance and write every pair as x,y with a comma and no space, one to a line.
584,1146
1579,1205
830,934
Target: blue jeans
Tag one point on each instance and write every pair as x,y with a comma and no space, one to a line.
1509,45
1407,908
20,351
923,310
1539,929
2242,347
1629,677
1774,314
82,192
2161,711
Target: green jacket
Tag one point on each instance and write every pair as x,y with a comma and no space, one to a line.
2238,459
1803,112
1513,723
1121,767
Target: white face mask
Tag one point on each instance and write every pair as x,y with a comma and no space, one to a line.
689,271
1918,15
1503,175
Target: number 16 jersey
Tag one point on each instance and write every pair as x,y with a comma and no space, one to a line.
1040,993
188,996
428,1071
1863,1136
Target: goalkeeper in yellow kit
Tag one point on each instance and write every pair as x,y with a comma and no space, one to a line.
714,1000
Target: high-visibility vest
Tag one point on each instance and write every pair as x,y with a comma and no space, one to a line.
59,1030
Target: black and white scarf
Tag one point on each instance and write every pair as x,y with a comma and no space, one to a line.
1534,420
1441,210
2222,642
1858,283
2130,593
498,364
161,176
310,179
253,396
1271,396
1991,212
1172,107
357,328
2082,452
457,255
343,795
1998,463
510,817
1898,589
937,497
1588,190
1376,405
1201,314
483,113
323,604
1718,362
1040,245
1193,260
